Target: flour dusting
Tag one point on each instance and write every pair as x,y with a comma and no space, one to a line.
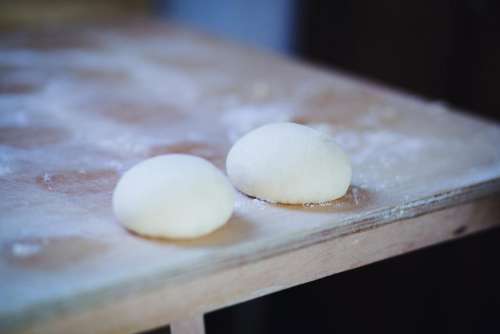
242,119
25,249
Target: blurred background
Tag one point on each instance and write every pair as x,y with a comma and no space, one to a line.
447,50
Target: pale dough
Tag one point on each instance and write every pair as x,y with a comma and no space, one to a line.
289,163
173,196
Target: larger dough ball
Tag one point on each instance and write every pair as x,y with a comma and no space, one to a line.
289,163
173,196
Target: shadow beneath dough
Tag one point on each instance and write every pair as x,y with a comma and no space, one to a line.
235,231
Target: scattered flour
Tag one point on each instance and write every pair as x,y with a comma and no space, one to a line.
375,145
245,204
4,169
240,120
316,205
47,179
24,249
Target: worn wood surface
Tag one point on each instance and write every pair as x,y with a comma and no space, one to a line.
80,106
176,299
193,325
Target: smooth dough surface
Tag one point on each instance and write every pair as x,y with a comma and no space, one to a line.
289,163
173,196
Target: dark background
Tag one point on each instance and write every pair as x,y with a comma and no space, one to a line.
450,288
446,49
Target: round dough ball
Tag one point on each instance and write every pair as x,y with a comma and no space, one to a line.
289,163
174,196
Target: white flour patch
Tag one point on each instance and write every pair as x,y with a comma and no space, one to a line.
25,249
241,120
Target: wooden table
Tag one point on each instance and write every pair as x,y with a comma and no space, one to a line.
79,105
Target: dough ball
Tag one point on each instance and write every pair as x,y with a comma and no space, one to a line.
289,163
174,196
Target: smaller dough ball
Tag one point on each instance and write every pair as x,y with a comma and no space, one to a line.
289,163
174,196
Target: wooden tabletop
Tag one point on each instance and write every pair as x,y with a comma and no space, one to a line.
80,105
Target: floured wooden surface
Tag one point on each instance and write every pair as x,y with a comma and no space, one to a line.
79,108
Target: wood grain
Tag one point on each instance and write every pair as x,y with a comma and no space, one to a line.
80,106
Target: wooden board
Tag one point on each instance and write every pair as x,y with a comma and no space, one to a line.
81,105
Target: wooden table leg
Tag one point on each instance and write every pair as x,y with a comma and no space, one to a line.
193,325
